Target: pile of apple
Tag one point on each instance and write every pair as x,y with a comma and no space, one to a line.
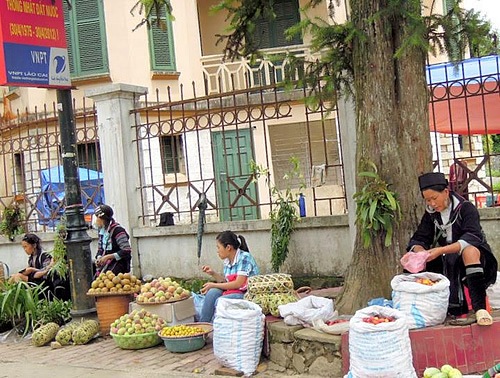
426,281
378,319
446,371
162,290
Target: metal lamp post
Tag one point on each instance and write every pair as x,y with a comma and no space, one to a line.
77,241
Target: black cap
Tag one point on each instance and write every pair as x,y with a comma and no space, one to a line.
432,179
104,212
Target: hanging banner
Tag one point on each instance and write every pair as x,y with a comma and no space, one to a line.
33,49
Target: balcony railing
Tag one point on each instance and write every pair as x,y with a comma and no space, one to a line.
224,76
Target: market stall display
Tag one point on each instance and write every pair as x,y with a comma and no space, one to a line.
379,344
184,338
422,297
137,330
113,293
162,290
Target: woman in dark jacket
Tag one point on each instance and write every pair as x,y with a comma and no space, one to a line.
39,261
113,246
451,232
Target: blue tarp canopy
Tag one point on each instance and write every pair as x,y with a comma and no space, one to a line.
50,203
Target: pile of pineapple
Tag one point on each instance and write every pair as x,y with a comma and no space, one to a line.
109,283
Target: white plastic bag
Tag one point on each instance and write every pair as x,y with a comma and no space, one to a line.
306,310
238,334
423,305
340,324
493,293
380,350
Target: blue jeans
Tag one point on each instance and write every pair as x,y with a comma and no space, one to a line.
210,303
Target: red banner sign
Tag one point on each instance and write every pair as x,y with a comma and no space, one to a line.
33,44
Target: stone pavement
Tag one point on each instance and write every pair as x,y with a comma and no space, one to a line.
102,358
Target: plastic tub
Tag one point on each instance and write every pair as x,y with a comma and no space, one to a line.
139,341
186,344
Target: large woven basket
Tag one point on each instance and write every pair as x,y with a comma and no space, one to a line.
270,283
109,308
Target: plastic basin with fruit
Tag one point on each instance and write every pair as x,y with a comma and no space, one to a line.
137,330
183,338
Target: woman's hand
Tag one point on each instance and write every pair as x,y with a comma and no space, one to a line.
206,269
29,270
103,260
207,286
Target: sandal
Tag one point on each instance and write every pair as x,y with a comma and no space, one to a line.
484,318
470,319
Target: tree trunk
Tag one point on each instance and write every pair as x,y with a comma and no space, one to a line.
393,133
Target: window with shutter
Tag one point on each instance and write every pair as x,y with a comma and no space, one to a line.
86,37
161,45
272,33
172,154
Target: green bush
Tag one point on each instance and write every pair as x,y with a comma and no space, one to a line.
25,306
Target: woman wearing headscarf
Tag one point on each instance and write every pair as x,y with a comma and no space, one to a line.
451,232
113,246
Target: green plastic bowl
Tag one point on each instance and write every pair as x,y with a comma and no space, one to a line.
184,344
139,341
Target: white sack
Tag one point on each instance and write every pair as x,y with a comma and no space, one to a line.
493,293
380,350
238,334
306,310
423,305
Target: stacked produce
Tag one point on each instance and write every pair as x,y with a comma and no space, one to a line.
162,290
137,330
78,333
446,371
270,291
137,322
182,330
109,283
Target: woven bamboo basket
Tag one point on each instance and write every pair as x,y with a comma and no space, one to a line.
109,308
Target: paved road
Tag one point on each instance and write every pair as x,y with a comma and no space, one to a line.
101,358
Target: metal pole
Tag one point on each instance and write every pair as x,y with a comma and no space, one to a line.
77,241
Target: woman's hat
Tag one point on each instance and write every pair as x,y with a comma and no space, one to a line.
104,212
432,179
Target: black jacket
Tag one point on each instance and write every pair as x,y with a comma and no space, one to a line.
466,226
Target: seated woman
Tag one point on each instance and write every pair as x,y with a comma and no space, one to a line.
37,271
451,232
238,266
38,262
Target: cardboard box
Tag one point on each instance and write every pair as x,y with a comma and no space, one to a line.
173,313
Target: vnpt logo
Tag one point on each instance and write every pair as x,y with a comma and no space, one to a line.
59,63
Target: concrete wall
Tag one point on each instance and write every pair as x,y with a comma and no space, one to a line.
320,246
